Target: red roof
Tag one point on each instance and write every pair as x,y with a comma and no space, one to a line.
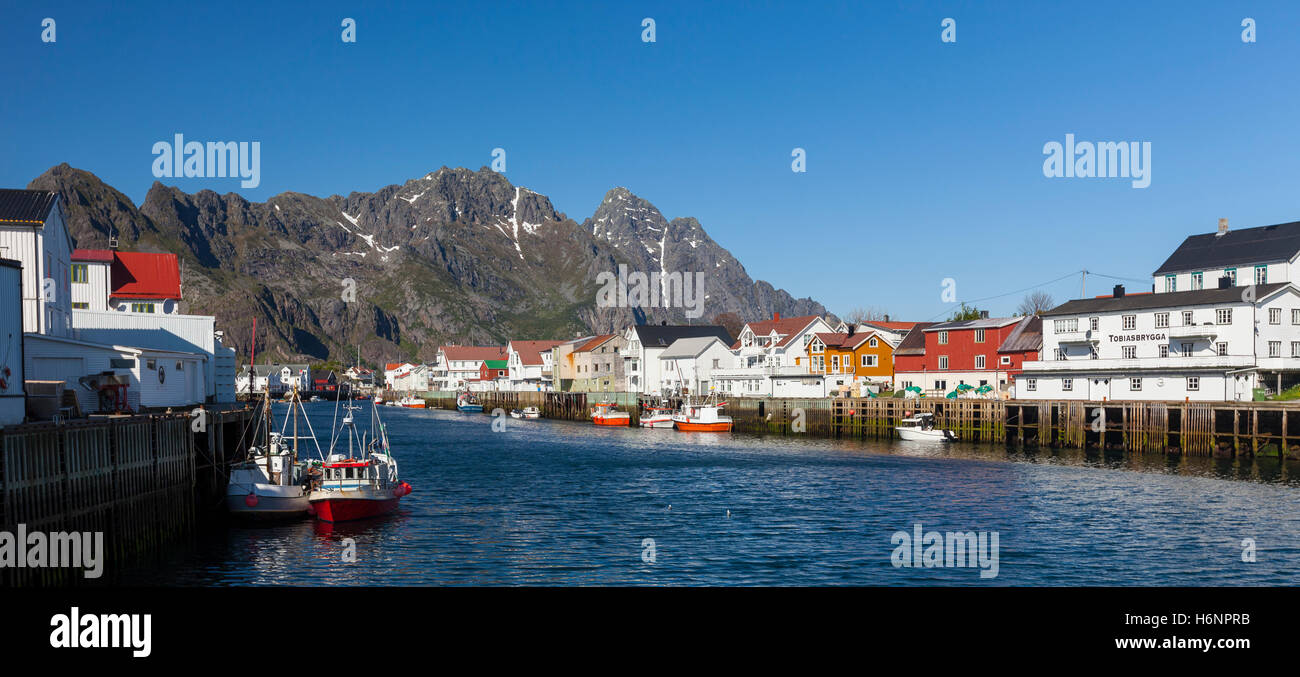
786,327
144,275
530,352
474,353
394,365
594,343
845,341
98,255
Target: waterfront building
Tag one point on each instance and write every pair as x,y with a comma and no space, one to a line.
856,361
414,378
531,364
457,366
13,398
646,342
34,232
128,282
392,369
565,371
937,358
1206,344
493,375
1261,255
278,378
360,377
598,365
687,364
771,359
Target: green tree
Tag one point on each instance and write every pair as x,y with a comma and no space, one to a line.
965,312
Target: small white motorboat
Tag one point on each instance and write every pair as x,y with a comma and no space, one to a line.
531,412
921,427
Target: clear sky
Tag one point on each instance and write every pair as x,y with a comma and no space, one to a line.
924,159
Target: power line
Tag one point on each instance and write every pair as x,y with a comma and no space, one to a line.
1018,291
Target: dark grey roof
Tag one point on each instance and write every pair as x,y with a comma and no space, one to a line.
914,342
661,335
1166,300
1280,242
26,206
1028,335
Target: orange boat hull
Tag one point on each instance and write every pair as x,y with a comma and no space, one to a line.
717,427
612,420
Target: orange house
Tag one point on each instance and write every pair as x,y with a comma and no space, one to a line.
867,356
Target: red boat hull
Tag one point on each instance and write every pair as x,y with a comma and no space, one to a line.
718,427
345,509
612,420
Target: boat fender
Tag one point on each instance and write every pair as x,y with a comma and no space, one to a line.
251,500
406,489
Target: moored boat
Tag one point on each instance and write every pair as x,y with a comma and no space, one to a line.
412,402
606,414
468,403
360,481
702,418
657,417
531,412
921,427
272,484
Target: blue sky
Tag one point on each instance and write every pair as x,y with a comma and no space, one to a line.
924,159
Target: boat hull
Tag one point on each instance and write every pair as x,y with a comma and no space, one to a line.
612,420
415,405
713,427
268,507
914,435
348,509
665,422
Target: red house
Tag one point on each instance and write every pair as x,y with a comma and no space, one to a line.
989,351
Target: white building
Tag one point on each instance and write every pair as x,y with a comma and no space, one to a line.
530,364
1260,255
687,365
646,342
154,378
393,369
1209,344
771,359
414,379
460,366
13,406
34,232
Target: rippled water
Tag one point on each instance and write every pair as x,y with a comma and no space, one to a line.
562,503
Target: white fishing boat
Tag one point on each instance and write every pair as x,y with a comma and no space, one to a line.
272,483
412,402
657,417
702,418
526,412
921,427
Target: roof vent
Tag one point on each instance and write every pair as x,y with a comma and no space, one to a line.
1223,228
1118,292
984,314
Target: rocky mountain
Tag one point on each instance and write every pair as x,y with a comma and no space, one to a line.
453,256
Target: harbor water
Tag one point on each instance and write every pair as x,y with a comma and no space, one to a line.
543,502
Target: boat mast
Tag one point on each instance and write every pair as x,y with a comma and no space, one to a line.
295,431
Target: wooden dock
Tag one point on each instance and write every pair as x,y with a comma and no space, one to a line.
1193,428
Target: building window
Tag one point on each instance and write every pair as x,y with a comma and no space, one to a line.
1062,327
80,305
868,360
1223,316
1295,316
1295,349
1092,352
1061,354
1093,322
1031,384
1162,320
1130,352
1261,274
979,335
1171,283
940,385
1187,318
1135,384
1164,350
142,307
818,347
979,361
1193,382
1130,322
873,342
1198,280
943,361
943,338
1275,316
835,364
1221,348
1275,349
1067,384
1005,359
79,273
1231,274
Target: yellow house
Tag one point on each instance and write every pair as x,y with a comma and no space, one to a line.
867,356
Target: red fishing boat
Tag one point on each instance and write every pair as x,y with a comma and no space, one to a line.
359,481
606,414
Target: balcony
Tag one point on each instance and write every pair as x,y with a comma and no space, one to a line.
762,372
1207,331
1223,362
1085,336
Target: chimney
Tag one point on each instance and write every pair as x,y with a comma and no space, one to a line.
886,318
1118,291
1225,282
776,317
1223,228
984,314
